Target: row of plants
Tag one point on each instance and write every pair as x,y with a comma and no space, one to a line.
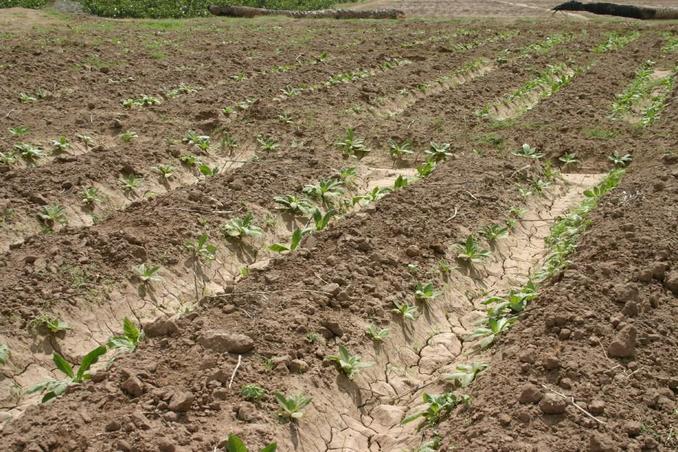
33,4
616,41
31,153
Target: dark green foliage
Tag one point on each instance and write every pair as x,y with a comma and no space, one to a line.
35,4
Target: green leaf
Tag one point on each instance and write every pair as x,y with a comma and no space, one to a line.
278,248
4,354
270,448
89,359
235,444
130,330
297,235
63,365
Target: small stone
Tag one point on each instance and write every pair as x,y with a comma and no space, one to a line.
552,404
133,386
298,366
564,334
530,394
412,251
220,394
624,343
504,419
551,362
565,383
671,282
631,308
333,327
161,327
632,428
600,443
181,401
164,445
221,342
247,412
113,426
123,446
527,356
597,407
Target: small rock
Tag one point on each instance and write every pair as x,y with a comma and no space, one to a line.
624,343
37,198
161,327
552,404
333,327
632,428
164,445
631,308
133,386
659,270
113,426
564,334
527,357
123,446
220,393
221,342
504,419
298,365
247,412
551,362
181,401
597,407
671,282
530,394
600,443
412,251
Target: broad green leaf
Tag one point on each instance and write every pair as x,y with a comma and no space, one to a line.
235,444
130,330
89,359
278,248
270,448
63,365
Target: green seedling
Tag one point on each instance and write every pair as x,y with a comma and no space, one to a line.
517,212
285,118
129,340
568,159
252,392
426,168
28,152
208,171
493,328
438,152
348,175
512,303
352,146
295,241
377,334
55,388
227,142
202,142
147,273
290,91
202,250
620,160
50,323
87,140
349,364
325,191
528,151
19,131
494,232
189,160
165,171
373,195
235,444
267,144
60,145
27,98
4,354
293,205
130,183
470,251
292,406
432,445
444,268
183,88
425,292
239,228
143,101
52,214
91,196
322,220
465,374
239,77
128,136
439,407
312,337
398,151
400,182
405,310
8,158
228,111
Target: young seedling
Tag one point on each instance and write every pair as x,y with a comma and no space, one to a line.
147,273
165,171
377,334
143,101
405,310
267,144
348,175
208,171
28,152
528,151
494,232
235,444
87,140
202,250
568,159
295,241
128,136
322,220
425,292
426,168
439,407
292,406
398,151
239,228
60,145
400,182
312,337
56,388
285,118
349,364
130,183
438,152
352,146
372,196
513,303
620,160
465,374
189,160
91,196
19,131
8,158
27,98
293,205
493,328
252,392
202,142
290,91
470,251
517,212
183,88
325,191
129,340
52,214
51,324
444,268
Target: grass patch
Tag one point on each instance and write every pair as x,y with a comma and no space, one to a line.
599,134
33,4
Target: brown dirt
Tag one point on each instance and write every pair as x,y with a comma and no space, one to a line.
348,276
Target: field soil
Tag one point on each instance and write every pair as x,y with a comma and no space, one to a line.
239,112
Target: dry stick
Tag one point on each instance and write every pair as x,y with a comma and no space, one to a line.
571,400
454,214
235,371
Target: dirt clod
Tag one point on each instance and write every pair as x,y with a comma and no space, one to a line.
133,386
181,401
221,342
624,343
530,394
552,404
600,443
161,327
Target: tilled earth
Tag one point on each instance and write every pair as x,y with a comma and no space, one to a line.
590,365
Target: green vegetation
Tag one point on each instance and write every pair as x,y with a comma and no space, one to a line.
470,251
129,340
439,407
425,292
616,41
377,334
235,444
50,323
239,228
4,354
295,241
292,406
646,95
52,214
252,392
349,364
147,273
464,374
33,4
